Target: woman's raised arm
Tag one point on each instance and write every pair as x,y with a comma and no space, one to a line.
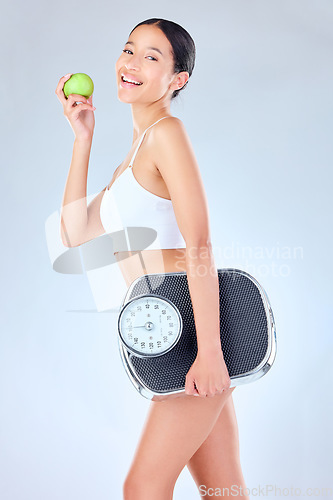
79,223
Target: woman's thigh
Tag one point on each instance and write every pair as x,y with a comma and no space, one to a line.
216,463
173,430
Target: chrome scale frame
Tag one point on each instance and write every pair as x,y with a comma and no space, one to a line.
245,378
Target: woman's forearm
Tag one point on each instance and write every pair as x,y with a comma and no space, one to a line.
203,286
74,216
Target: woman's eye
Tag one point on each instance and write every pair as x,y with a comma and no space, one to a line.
128,50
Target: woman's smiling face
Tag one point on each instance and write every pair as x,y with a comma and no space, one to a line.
146,59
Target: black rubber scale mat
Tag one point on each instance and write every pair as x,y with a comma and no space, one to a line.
243,328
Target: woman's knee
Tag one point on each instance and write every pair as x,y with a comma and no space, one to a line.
132,488
147,487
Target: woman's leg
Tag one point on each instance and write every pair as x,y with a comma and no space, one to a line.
216,464
174,429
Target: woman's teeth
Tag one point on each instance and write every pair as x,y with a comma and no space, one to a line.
130,81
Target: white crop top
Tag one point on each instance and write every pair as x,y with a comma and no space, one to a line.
128,204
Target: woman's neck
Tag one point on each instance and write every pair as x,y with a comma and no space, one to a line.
145,116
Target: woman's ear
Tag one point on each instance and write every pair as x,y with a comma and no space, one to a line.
180,80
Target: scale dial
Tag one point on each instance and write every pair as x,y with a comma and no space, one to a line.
149,325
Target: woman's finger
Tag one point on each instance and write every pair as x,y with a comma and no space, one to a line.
76,98
79,107
59,90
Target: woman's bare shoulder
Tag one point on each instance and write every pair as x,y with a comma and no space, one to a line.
164,130
169,121
172,125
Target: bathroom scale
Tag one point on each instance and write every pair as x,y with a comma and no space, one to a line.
157,335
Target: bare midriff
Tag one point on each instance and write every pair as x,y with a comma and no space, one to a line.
136,263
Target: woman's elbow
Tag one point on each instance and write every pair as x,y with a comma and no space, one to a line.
68,240
198,244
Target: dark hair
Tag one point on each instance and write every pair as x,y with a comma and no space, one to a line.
183,47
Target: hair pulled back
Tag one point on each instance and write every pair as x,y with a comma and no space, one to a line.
183,47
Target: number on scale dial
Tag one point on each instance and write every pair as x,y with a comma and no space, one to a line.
149,325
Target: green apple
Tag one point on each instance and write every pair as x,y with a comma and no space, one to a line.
79,83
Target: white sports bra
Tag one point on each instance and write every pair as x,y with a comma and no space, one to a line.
128,204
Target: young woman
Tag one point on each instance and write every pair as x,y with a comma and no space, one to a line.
166,188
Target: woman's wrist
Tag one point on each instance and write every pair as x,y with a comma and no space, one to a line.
83,141
210,349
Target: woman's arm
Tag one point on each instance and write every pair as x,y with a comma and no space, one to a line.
203,286
176,162
78,223
74,213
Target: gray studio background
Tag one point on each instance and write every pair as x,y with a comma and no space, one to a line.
258,110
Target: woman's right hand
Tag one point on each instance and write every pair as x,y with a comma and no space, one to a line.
80,116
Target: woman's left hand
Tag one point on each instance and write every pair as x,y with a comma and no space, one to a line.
208,375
